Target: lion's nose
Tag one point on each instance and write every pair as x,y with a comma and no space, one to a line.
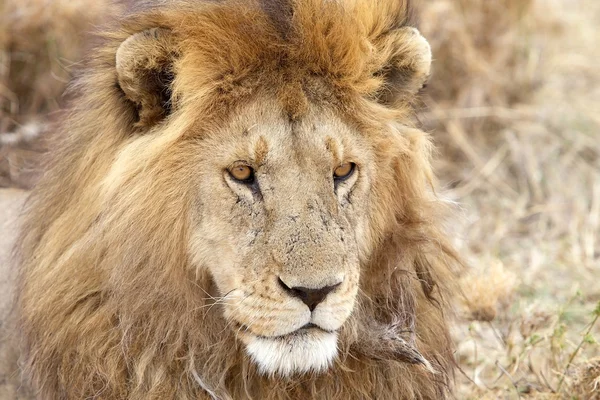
310,297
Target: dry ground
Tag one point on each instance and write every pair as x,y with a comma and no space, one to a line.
514,106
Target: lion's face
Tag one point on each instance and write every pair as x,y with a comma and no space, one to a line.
280,225
282,213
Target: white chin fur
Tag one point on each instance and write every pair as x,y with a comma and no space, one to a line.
284,356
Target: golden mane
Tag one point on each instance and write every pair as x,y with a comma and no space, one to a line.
108,308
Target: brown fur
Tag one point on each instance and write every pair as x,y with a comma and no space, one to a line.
110,304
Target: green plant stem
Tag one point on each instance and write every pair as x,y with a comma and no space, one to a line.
574,354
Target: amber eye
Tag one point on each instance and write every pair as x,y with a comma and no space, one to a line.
242,173
343,171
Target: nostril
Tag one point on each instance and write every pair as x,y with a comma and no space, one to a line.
298,292
283,285
310,297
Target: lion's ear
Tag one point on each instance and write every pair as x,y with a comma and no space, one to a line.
144,63
406,57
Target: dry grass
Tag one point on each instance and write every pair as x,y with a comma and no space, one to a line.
514,104
40,42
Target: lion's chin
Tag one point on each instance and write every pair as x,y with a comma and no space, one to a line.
309,351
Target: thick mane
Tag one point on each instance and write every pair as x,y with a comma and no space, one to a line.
103,255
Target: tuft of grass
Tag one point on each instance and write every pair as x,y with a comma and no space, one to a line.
588,339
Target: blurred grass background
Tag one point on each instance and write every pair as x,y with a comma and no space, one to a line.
514,107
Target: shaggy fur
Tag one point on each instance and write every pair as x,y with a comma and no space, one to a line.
113,304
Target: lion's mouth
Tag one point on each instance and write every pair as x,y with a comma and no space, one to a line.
306,328
303,330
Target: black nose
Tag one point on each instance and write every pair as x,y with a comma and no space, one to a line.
310,297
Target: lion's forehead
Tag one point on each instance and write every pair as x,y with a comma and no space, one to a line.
262,131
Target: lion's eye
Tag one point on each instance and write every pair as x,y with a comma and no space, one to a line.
242,173
343,171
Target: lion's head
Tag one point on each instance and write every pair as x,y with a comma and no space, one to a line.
239,200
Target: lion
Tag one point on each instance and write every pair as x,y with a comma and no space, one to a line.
238,206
